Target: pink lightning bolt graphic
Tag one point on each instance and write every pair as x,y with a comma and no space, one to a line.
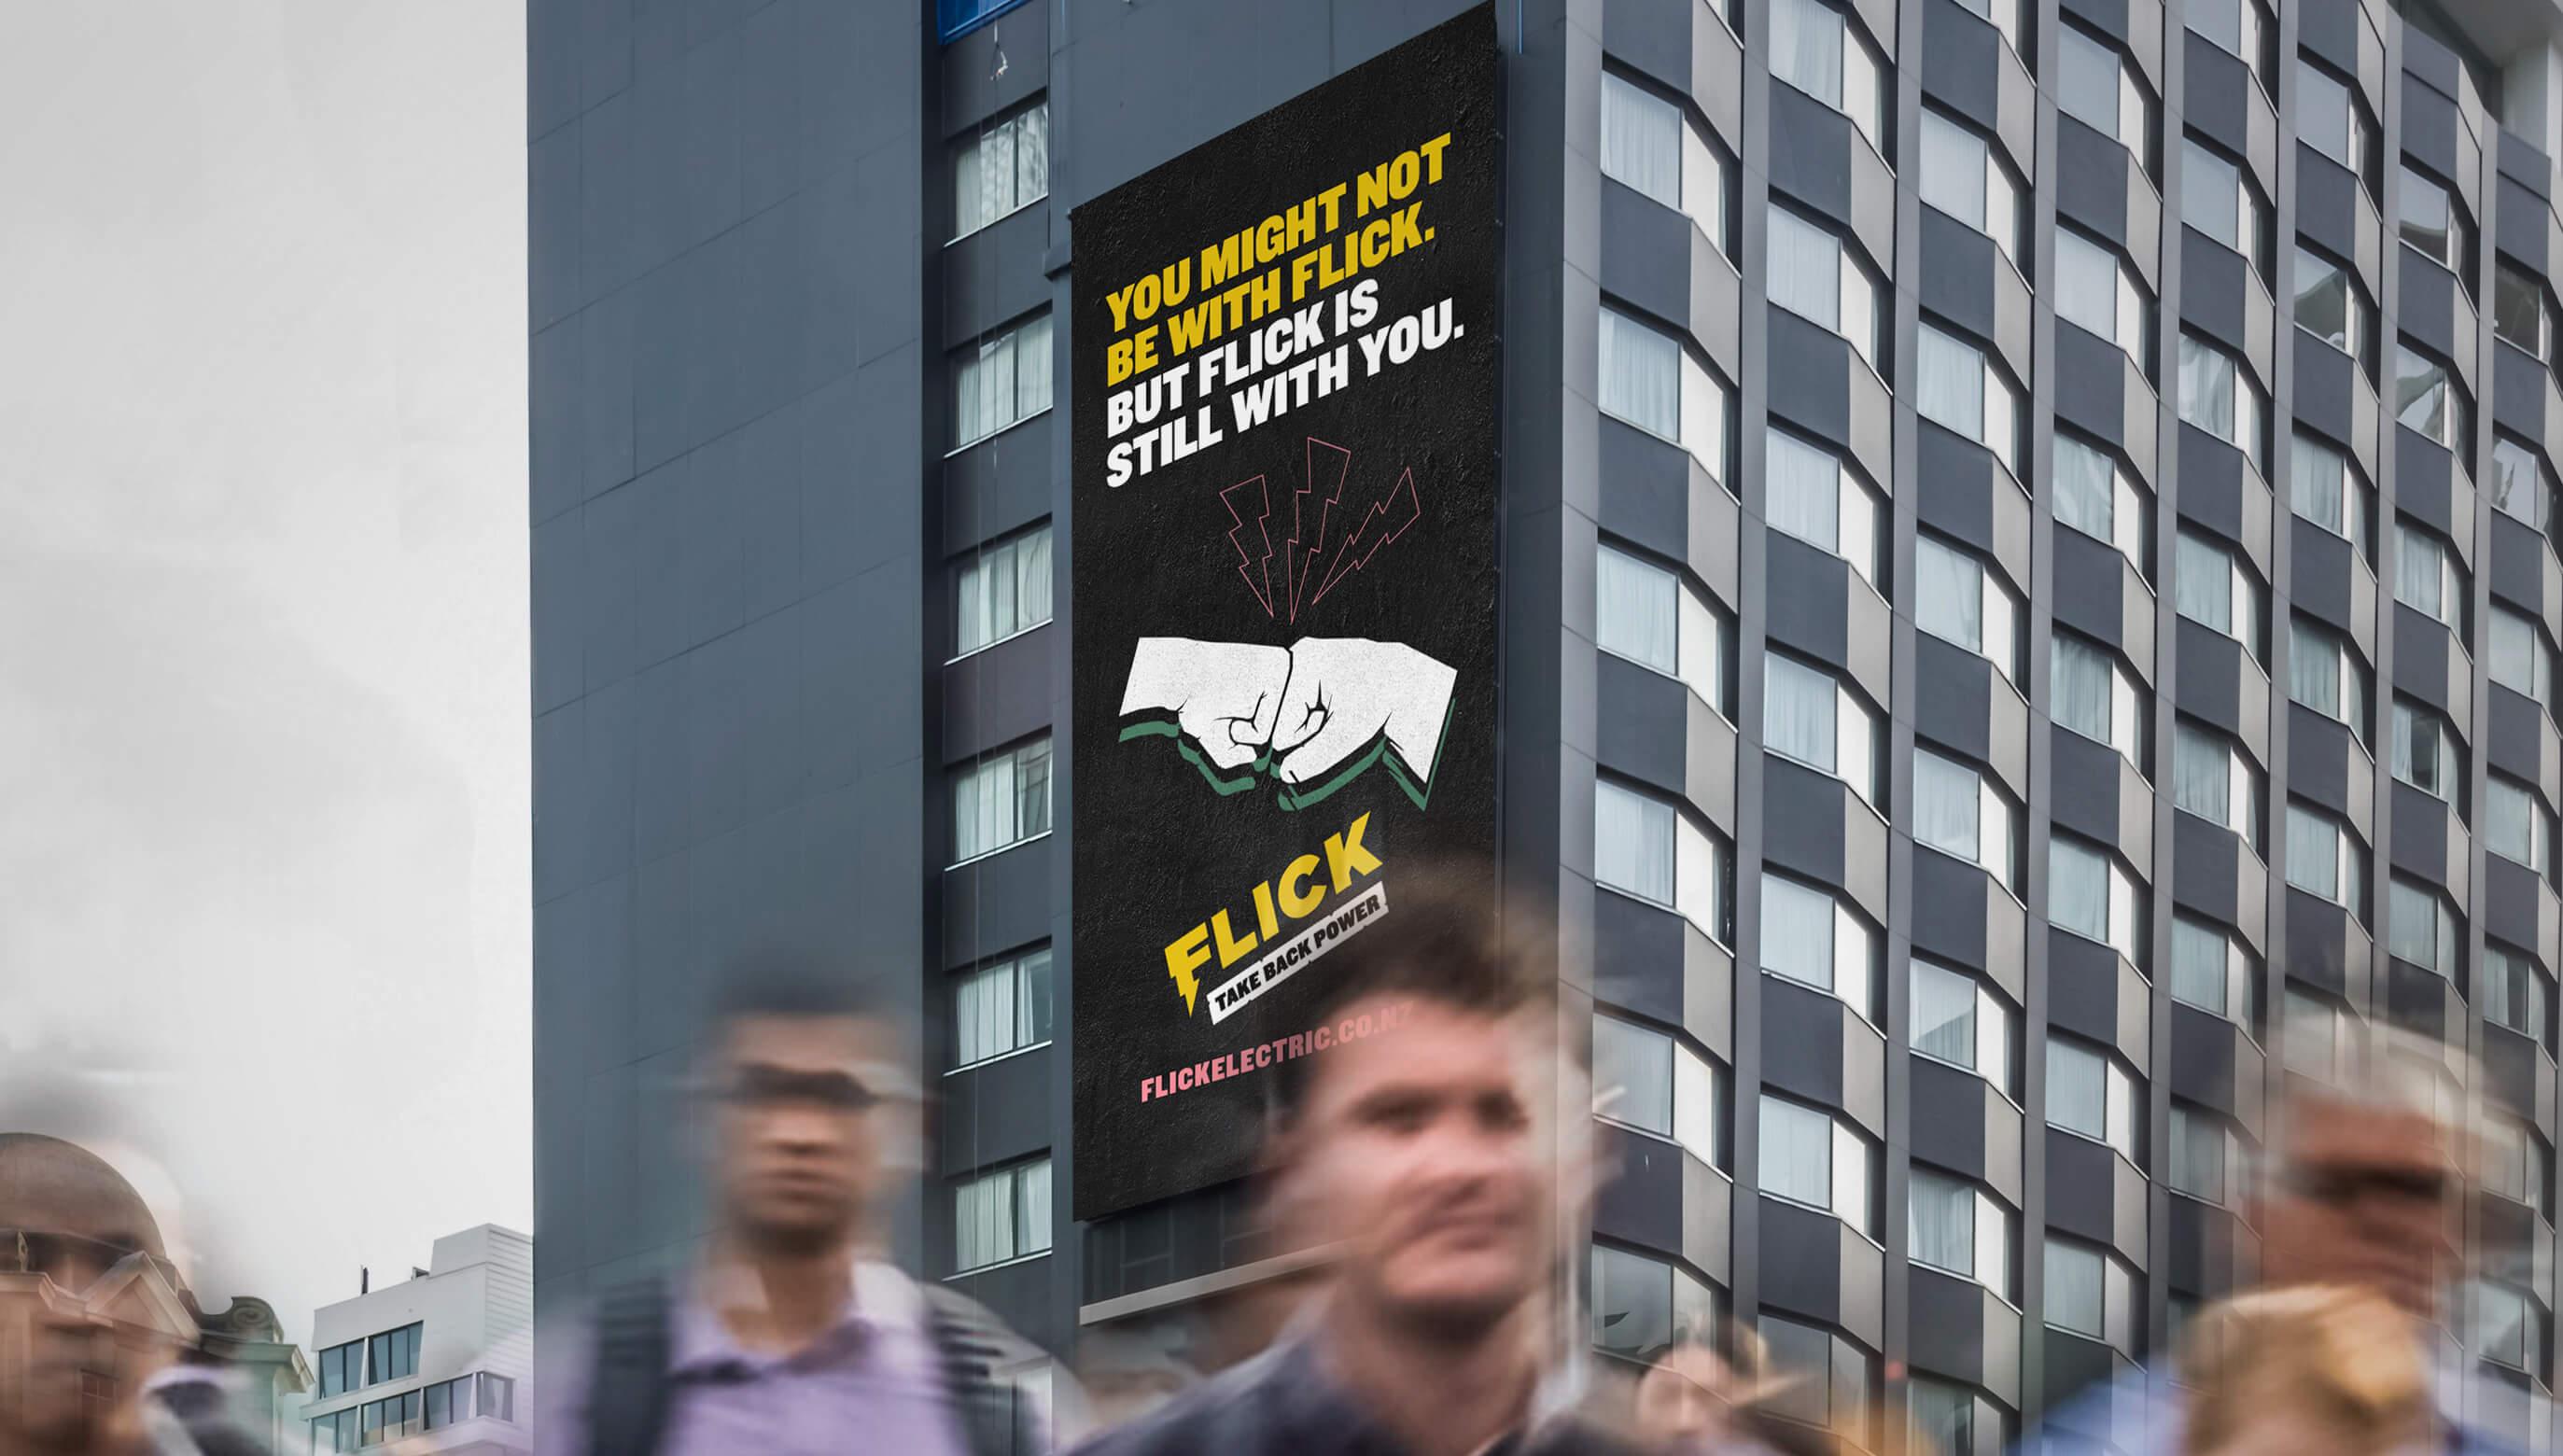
1253,563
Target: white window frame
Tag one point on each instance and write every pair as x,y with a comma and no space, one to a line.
1859,514
1008,135
1941,355
1024,1032
1027,1188
2124,902
1701,640
1031,391
1998,614
1035,591
1013,759
1847,968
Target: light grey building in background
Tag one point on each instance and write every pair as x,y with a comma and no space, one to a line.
436,1362
2050,501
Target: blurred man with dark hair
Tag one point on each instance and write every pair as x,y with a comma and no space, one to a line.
795,1334
1423,1154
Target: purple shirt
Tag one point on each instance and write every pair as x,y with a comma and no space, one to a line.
873,1381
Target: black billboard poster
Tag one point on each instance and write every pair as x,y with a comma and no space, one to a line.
1284,382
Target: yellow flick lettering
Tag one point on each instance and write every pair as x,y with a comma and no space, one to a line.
1296,894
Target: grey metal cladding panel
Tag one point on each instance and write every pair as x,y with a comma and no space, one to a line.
553,228
559,774
2209,681
2518,392
2325,389
1808,373
1646,1202
2081,1192
2425,483
2091,993
1808,599
2324,762
2508,903
2217,292
2084,790
2108,17
999,694
2219,96
2210,1250
2320,937
2422,652
2323,576
2428,307
1959,68
2420,836
2090,394
996,1112
1948,1122
1022,1297
973,87
2431,127
2522,163
1647,500
997,485
997,903
2423,1001
1645,253
1812,1265
556,370
2092,180
1950,690
2329,206
2520,217
1959,267
1811,153
2220,492
1975,1337
2513,737
2330,32
2203,1067
1653,37
2204,867
1803,821
1641,718
995,275
2092,587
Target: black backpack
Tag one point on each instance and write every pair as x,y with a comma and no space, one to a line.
628,1398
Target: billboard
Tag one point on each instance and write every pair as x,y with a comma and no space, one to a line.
1285,375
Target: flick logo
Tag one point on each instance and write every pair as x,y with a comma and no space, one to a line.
1339,521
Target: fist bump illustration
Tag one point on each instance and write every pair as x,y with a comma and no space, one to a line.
1313,716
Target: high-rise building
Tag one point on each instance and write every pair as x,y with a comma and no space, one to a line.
435,1363
2029,599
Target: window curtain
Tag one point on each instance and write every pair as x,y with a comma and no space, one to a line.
1032,790
2200,769
1804,494
2083,688
1942,1223
2314,671
1642,139
1032,1000
1949,594
1632,1075
1032,579
1032,154
2211,197
983,802
978,606
2199,967
2086,285
1635,614
2203,584
2073,1289
1632,843
2421,394
1944,1014
1797,1152
1953,170
2313,853
1806,270
1641,376
2077,1090
984,1015
1032,369
2085,489
1798,707
2509,822
2415,918
2206,388
2417,573
2318,482
983,1220
1852,1202
1806,49
1946,813
2087,84
2197,1154
1797,932
1032,1233
1952,378
1696,1119
983,387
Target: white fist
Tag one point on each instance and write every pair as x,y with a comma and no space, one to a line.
1344,692
1225,696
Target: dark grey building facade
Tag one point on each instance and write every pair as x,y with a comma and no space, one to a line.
2031,591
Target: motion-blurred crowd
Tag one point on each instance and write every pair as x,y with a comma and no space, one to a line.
1434,1175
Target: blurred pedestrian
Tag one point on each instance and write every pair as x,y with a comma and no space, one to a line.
2313,1370
2364,1189
1425,1154
794,1334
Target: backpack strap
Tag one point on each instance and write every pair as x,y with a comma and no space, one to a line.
969,1345
627,1396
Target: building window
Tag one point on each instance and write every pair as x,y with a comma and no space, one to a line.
1001,1008
1836,1379
2513,1162
2207,1157
2218,397
2515,824
1000,380
1809,1158
1946,1418
2514,991
2091,1096
1963,177
2097,87
1002,799
2509,1328
1811,938
1812,494
2326,491
2521,488
2518,312
1004,590
2329,118
2212,779
2211,971
2430,220
2427,400
2238,28
1003,166
1957,1228
2427,577
1649,380
1651,147
2090,1294
2098,293
1810,717
1961,1022
1816,49
1002,1214
2089,895
1648,1081
2329,305
2212,587
2426,755
2325,675
2326,860
2313,1035
2095,698
1644,1307
1646,848
1960,812
1651,617
2216,199
342,1369
2096,497
393,1355
1962,391
1958,600
2520,659
2419,927
1813,275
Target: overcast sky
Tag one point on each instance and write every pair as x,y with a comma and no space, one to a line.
263,665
